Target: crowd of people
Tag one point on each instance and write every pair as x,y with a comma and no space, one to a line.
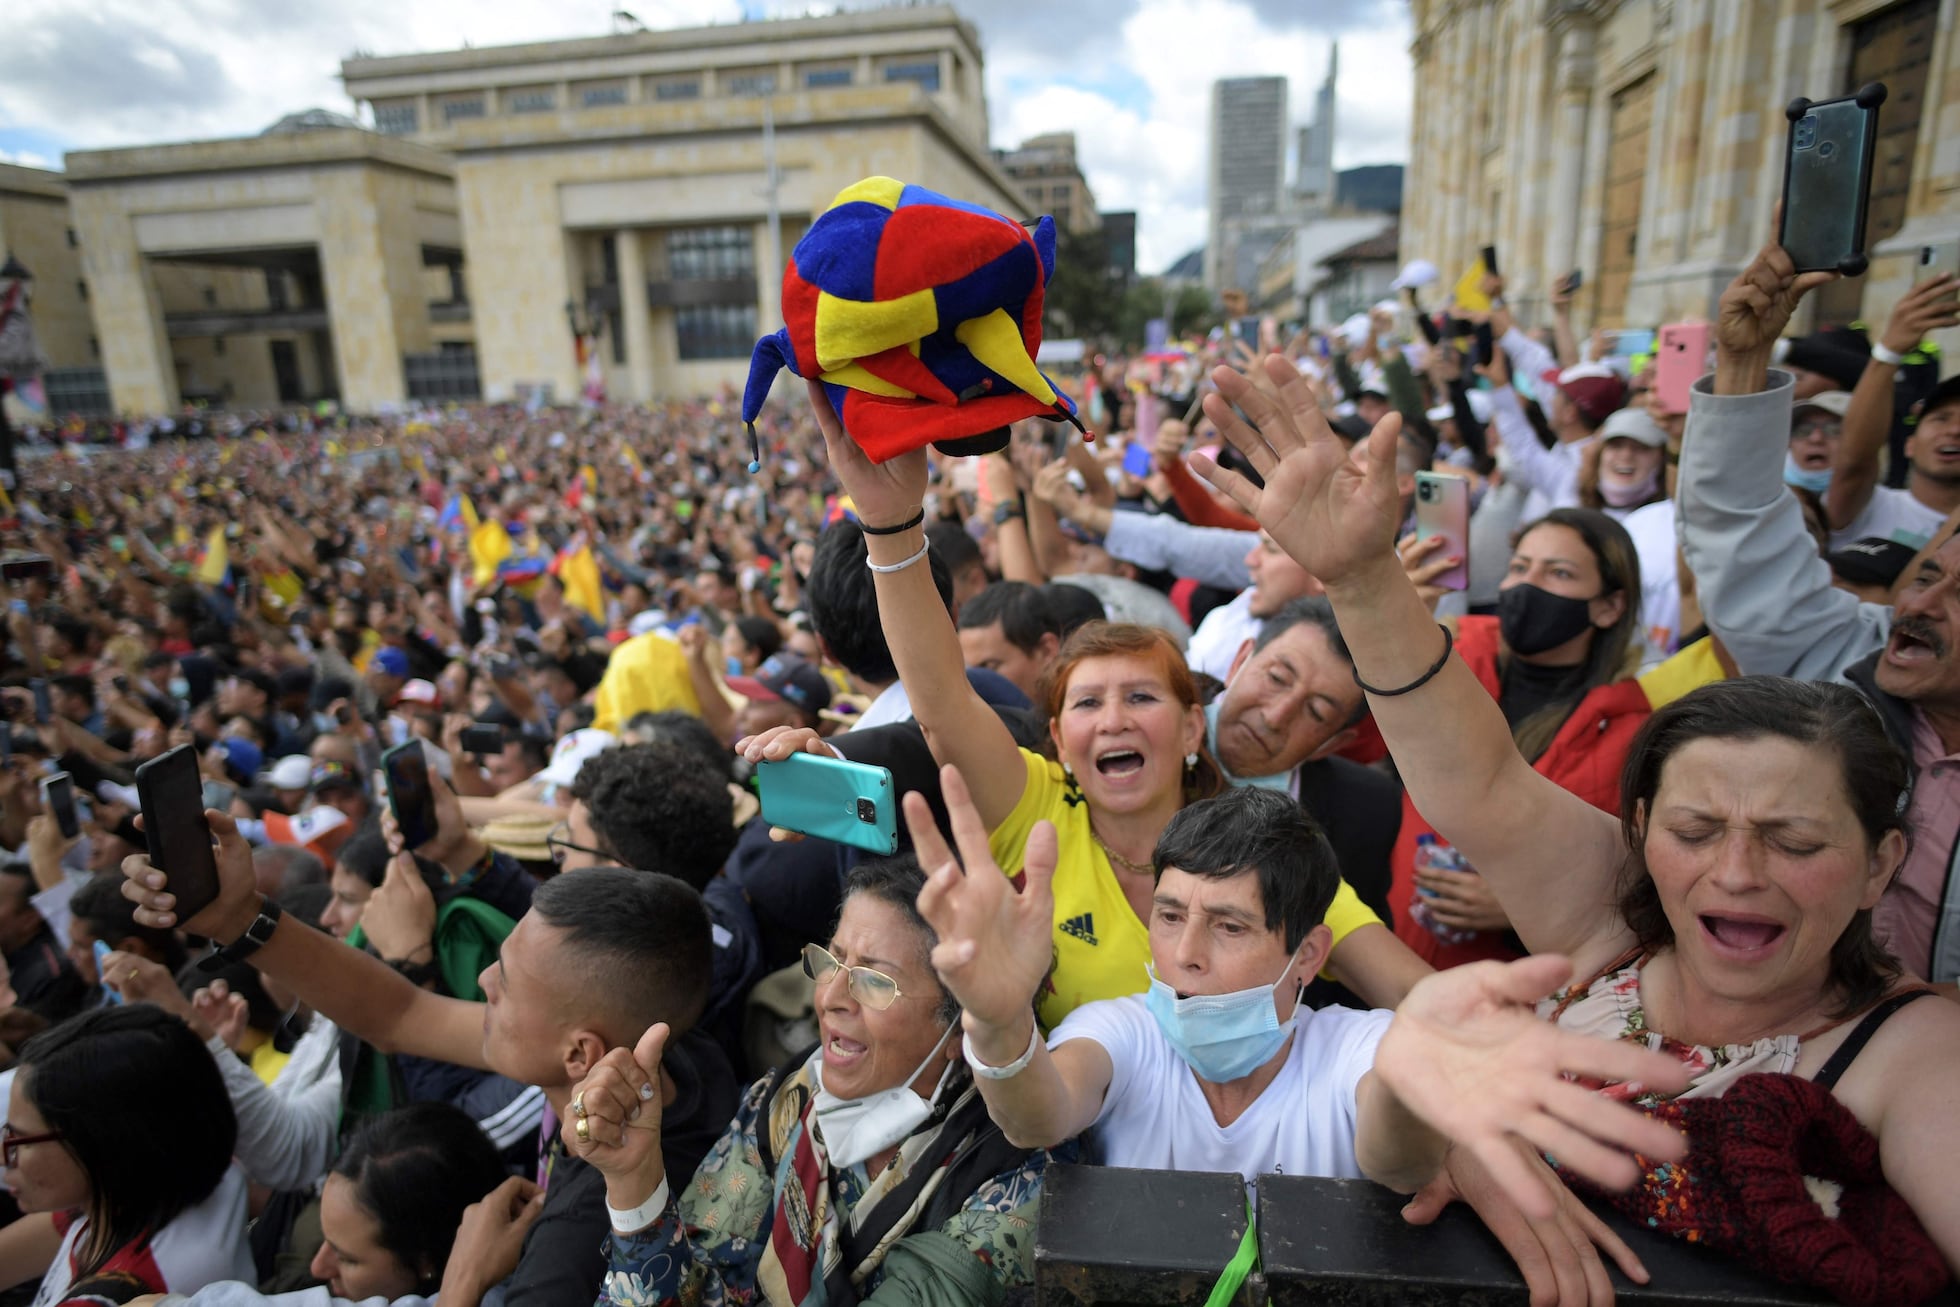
1249,824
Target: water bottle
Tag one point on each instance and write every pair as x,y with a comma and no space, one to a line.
1432,853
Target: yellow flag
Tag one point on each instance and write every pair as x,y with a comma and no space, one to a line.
489,545
578,573
216,562
590,475
1469,293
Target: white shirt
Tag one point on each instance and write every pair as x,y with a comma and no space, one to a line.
1156,1118
1652,529
1891,514
1217,640
205,1243
893,704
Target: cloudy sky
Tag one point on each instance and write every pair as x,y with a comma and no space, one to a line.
1131,78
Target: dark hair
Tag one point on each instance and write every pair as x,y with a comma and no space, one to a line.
1607,656
144,1168
366,853
657,809
952,543
1833,718
676,728
642,941
99,904
536,751
898,881
414,1170
760,634
1021,609
1315,611
295,864
843,603
1263,831
1073,606
79,686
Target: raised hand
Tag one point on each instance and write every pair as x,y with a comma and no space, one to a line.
1335,513
1468,1055
227,916
1757,305
221,1012
614,1120
400,916
779,742
1928,307
884,494
995,944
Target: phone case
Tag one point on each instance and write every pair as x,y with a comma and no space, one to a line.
406,767
850,802
171,793
58,797
1827,180
1443,509
1681,358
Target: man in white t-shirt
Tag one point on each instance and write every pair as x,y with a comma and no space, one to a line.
1218,1066
1276,581
1857,506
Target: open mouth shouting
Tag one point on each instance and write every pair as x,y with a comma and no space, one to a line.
1741,936
1119,762
1914,641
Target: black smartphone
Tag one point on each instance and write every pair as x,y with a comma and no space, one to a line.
43,706
1573,280
1827,181
58,797
410,796
483,739
1486,344
172,795
1427,326
27,567
1490,260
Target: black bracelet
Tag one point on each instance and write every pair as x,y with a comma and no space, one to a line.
1449,642
902,527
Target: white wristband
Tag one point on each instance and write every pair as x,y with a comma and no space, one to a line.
1880,354
636,1219
900,567
1008,1072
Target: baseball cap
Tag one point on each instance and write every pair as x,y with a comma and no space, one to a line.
392,661
1415,274
1871,561
293,772
1633,424
242,758
419,691
573,752
785,678
331,775
1593,388
1834,402
307,830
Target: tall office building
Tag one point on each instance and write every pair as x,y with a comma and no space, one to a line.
1247,175
1313,172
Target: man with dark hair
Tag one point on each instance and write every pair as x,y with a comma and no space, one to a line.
655,807
73,697
601,957
43,980
1072,606
523,756
98,911
1010,628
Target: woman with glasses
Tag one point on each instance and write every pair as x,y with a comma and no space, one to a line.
867,1169
117,1146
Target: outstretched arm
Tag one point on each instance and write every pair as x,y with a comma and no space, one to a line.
1927,307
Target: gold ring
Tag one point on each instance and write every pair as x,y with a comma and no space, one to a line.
583,1130
578,1106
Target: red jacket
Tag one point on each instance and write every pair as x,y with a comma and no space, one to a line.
1585,758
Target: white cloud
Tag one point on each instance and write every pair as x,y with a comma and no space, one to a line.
1136,93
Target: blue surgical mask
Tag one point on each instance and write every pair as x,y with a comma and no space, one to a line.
1803,478
179,687
1281,781
1222,1037
324,723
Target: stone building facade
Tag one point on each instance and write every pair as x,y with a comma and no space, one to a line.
1641,142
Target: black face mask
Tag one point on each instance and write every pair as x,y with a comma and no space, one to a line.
1533,620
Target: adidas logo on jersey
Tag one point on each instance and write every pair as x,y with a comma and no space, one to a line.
1082,927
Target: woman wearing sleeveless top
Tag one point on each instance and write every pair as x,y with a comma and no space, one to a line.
1724,917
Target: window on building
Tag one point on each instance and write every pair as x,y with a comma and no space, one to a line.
94,348
210,297
81,287
463,106
814,77
73,240
715,331
275,289
710,253
531,99
600,95
1060,213
218,346
925,74
397,119
677,88
749,85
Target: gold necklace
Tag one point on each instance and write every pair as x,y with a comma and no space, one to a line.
1134,868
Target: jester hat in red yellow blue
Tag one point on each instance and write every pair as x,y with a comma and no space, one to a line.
920,314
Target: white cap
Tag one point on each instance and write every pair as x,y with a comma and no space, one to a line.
1836,402
292,772
1356,330
572,753
1633,424
419,691
651,619
1415,274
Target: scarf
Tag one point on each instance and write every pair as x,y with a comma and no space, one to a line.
819,1254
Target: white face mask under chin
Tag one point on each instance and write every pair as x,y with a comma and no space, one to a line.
856,1129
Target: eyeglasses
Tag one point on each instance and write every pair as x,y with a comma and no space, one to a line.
12,1141
559,842
874,989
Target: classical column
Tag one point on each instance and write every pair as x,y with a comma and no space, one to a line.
634,317
1575,79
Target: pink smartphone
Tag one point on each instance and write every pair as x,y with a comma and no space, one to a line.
1680,357
1443,509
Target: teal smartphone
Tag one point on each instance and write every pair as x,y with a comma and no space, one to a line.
848,802
1827,180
